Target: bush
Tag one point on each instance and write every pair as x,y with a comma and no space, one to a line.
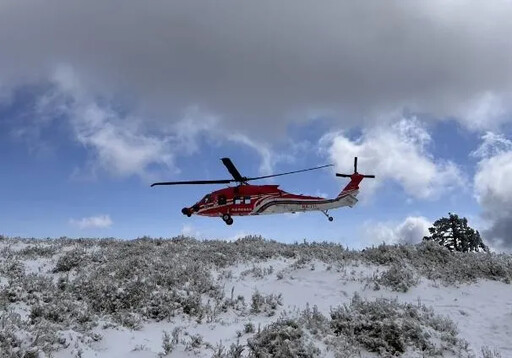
283,338
388,327
167,344
249,327
437,262
265,304
398,278
69,260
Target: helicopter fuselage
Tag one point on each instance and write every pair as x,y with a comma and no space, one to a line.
243,200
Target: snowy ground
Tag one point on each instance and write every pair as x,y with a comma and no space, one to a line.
481,310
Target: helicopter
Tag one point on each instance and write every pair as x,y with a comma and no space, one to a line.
246,199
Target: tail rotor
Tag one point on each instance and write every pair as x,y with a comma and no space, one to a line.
355,173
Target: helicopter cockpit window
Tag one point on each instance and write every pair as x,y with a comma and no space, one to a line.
221,199
247,200
237,200
206,199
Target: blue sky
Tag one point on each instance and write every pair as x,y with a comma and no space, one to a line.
49,186
164,91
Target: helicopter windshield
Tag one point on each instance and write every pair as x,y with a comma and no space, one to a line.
206,199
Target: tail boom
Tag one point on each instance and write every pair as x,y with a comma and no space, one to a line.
352,188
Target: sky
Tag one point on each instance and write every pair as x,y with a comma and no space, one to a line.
99,99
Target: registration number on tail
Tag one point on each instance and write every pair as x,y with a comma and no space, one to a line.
309,206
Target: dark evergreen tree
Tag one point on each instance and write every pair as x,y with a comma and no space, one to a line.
455,234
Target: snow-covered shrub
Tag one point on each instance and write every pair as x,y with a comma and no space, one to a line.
155,281
12,293
265,303
128,319
249,327
69,260
488,353
38,250
314,321
452,267
235,350
389,327
301,263
398,277
19,339
12,268
10,344
436,262
167,344
257,271
162,304
386,254
284,338
196,341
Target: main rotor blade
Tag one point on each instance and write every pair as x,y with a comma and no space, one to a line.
355,164
232,170
224,181
295,171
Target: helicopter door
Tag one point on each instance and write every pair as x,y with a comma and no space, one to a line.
221,200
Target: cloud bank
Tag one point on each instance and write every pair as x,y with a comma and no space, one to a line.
493,187
410,231
259,66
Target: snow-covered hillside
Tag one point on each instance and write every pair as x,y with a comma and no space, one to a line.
183,298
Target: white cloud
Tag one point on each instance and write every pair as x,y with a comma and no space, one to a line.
93,222
398,152
268,157
493,188
410,231
492,144
117,143
237,235
125,145
190,231
119,148
486,111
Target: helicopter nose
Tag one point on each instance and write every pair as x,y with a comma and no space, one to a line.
186,211
196,207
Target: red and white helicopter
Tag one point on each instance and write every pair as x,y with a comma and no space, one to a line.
246,199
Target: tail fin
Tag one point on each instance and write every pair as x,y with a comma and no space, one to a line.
355,179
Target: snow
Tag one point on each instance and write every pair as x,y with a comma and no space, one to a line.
482,310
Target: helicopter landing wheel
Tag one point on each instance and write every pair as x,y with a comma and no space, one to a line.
226,217
330,218
229,221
